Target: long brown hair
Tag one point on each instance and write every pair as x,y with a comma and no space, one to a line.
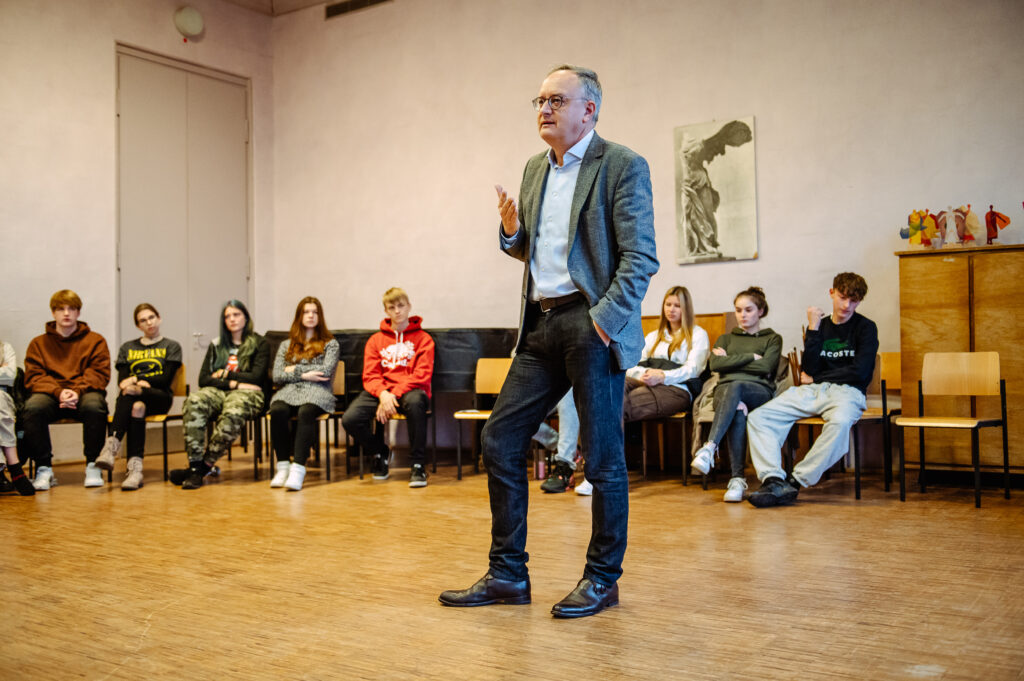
298,348
685,332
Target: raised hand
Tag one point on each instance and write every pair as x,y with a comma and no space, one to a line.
508,211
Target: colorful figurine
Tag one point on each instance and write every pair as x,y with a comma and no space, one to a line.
994,221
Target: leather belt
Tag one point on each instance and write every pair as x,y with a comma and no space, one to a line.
549,304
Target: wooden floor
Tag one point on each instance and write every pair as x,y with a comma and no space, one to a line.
340,581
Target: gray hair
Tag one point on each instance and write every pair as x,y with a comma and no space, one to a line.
588,79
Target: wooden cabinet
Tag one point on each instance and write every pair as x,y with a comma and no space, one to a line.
956,300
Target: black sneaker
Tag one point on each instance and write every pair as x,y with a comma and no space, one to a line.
178,475
418,476
560,479
382,465
773,492
191,477
5,484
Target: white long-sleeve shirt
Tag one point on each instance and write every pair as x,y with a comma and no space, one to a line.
693,360
8,365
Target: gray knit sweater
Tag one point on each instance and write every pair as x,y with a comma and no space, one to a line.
294,390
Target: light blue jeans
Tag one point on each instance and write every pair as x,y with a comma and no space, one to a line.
767,426
567,435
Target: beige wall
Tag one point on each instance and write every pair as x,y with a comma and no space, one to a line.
392,124
378,136
58,172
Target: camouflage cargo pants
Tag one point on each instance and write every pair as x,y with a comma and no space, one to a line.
229,407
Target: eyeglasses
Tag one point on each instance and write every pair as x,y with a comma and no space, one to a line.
554,101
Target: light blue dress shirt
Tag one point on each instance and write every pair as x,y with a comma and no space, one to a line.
549,265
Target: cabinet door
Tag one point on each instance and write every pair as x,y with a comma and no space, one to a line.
934,317
999,326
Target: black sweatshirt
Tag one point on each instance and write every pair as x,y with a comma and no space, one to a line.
842,353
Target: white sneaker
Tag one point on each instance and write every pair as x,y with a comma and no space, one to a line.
737,486
704,459
281,475
45,479
584,489
296,474
93,475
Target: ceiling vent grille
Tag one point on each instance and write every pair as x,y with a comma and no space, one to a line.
347,6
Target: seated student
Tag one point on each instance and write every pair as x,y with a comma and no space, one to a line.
66,371
398,363
146,367
304,367
838,361
231,384
8,413
673,355
563,442
746,360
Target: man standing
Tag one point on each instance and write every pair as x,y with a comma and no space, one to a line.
66,370
584,227
838,361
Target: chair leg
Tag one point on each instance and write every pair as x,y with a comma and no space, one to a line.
976,460
856,463
643,450
458,450
920,469
1006,460
661,446
165,452
327,446
887,453
903,468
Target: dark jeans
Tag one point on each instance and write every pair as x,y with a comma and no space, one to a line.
559,349
731,423
156,401
41,410
360,422
306,430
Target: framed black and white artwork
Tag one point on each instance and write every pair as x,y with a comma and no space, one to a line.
716,192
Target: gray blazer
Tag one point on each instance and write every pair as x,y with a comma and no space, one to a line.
612,252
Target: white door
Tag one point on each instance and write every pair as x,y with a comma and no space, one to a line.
183,187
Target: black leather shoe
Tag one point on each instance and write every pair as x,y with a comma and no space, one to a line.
588,598
488,591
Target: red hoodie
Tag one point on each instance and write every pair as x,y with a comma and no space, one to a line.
398,364
80,362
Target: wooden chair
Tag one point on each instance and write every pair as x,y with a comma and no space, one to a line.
338,388
490,376
965,374
868,416
391,436
681,418
887,380
179,388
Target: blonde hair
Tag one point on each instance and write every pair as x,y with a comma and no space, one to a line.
394,294
685,332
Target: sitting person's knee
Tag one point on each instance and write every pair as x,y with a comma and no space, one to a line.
138,410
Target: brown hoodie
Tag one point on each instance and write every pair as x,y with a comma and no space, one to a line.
80,362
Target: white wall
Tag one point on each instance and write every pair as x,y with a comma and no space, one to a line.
58,176
392,124
58,172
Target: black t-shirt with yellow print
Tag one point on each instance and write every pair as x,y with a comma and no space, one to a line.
156,363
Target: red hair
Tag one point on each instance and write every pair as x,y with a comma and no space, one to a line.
298,348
